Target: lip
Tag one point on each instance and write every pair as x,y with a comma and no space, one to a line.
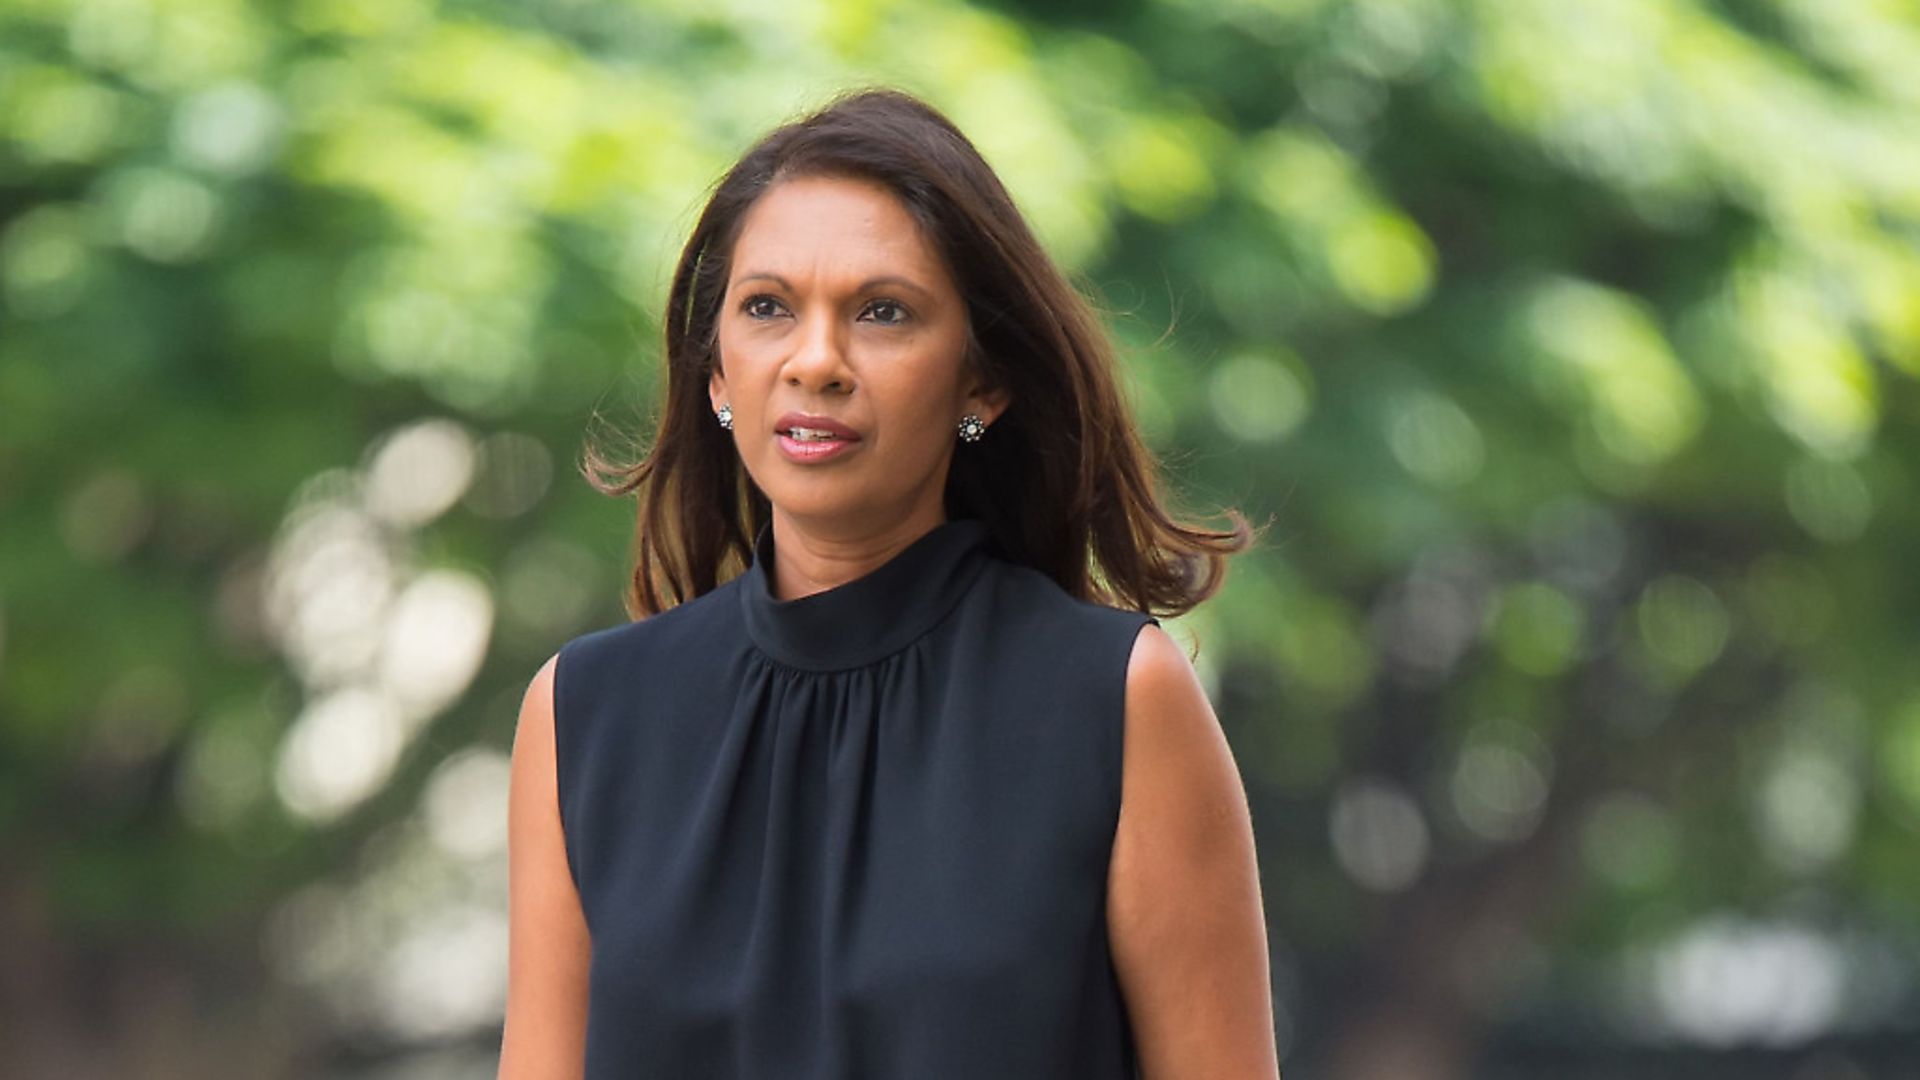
845,438
811,420
807,453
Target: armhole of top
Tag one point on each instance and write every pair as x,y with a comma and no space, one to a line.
1118,771
561,759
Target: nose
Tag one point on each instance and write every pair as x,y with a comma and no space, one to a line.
819,360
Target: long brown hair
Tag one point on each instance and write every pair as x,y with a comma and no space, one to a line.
1062,479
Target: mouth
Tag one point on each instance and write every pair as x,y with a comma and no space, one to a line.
804,445
811,435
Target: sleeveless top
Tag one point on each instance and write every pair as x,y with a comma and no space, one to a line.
861,833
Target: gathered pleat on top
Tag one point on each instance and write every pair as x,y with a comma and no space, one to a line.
862,833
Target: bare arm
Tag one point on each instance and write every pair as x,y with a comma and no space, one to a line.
1184,911
547,944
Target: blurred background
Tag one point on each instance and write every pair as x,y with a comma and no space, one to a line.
1571,346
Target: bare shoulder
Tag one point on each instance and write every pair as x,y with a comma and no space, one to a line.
538,699
533,731
1159,673
1185,918
1179,769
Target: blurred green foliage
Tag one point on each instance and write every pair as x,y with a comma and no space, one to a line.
1571,347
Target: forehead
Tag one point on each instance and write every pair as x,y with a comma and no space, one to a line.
833,224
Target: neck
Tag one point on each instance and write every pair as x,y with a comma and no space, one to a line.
808,559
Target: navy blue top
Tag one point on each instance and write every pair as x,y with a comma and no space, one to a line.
861,833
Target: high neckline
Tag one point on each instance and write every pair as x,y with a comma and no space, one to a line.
874,615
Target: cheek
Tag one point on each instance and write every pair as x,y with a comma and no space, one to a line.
919,423
737,359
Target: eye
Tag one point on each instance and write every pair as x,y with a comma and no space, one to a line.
888,312
760,306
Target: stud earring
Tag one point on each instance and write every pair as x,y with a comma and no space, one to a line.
972,427
725,416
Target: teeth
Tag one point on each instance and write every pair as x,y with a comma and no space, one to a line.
810,434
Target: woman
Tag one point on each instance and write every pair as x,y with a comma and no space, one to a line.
876,784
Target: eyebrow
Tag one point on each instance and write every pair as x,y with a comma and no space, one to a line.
883,279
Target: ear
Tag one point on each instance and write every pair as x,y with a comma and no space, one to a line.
988,402
717,387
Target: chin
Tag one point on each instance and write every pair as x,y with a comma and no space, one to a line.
823,500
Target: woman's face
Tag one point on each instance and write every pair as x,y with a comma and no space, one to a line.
836,306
